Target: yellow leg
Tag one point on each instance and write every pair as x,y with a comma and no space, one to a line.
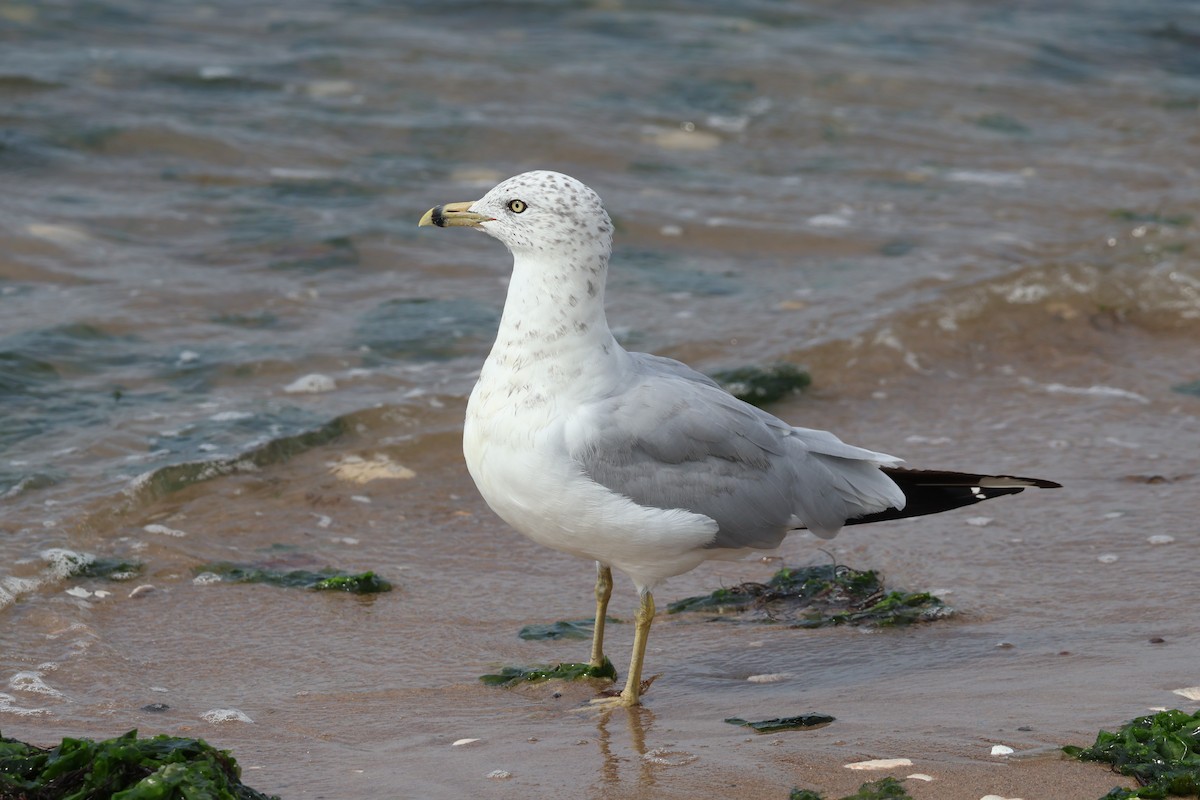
604,585
631,694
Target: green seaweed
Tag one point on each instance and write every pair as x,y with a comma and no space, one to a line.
885,789
797,723
820,596
511,676
122,768
321,580
763,385
563,629
362,583
85,565
893,609
1192,388
1152,217
113,569
1160,751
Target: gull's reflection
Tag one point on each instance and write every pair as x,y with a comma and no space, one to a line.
639,721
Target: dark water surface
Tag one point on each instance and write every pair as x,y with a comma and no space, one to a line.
977,225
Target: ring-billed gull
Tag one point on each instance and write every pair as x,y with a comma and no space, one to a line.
636,461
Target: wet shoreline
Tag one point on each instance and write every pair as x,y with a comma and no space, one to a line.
1021,651
223,338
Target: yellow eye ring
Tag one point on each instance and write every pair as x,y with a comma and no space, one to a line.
517,206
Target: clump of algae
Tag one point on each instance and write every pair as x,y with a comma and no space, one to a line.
820,596
318,580
122,768
885,789
511,676
1160,751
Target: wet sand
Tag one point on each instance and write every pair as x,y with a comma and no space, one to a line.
1058,599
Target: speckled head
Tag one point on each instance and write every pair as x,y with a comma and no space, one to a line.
536,212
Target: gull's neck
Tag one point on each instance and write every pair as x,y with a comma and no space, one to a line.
554,336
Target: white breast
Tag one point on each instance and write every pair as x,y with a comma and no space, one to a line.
515,451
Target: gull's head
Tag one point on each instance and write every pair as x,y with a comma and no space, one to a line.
534,212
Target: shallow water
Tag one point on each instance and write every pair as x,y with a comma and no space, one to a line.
976,226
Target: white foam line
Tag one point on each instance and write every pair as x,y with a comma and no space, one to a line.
1095,391
60,563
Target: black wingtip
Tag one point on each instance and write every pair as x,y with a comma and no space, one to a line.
932,477
1011,481
934,491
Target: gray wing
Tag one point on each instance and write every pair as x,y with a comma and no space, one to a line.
669,437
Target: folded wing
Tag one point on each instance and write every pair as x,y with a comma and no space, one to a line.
671,438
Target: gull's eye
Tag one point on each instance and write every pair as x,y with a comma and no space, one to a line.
517,206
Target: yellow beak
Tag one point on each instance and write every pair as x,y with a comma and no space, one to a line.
453,215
